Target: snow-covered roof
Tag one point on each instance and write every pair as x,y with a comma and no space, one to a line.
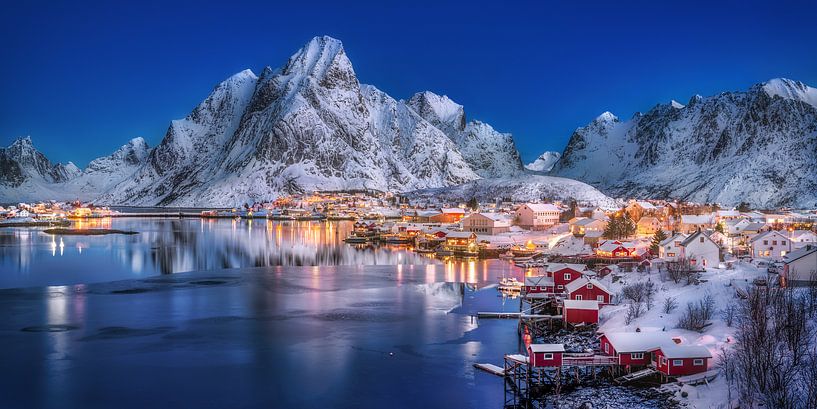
539,281
696,218
645,205
537,348
677,237
767,235
583,281
586,221
558,266
674,351
755,226
799,253
542,207
694,236
452,210
459,234
625,342
582,304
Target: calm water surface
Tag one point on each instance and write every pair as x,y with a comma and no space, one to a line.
29,257
267,315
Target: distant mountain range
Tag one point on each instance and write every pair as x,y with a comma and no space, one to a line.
757,146
310,125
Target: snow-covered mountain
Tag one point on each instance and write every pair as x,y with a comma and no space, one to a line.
26,174
545,162
488,152
757,146
105,172
522,187
311,125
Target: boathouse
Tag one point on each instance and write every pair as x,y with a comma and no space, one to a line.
680,360
539,284
632,348
587,289
545,355
581,311
564,273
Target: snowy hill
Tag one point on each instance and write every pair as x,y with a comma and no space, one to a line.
523,187
311,125
757,146
545,162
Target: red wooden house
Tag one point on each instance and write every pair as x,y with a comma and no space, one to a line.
581,311
539,285
564,273
632,348
587,289
680,360
545,354
615,248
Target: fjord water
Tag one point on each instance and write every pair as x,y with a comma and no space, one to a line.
29,257
335,327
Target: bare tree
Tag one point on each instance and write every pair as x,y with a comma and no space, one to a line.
649,296
670,304
729,312
697,315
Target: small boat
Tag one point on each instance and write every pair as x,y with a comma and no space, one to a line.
444,253
510,284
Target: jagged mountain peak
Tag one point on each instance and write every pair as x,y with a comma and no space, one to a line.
790,89
606,116
675,104
324,59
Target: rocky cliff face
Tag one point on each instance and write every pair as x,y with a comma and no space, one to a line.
757,146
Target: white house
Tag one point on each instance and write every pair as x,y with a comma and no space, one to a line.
701,250
771,244
734,227
537,216
802,238
486,223
670,248
693,222
801,266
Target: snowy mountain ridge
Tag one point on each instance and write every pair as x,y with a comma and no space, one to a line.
757,146
545,162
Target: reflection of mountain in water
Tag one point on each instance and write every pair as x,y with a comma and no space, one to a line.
443,295
188,245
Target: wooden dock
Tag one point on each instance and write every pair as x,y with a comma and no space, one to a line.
635,375
491,368
499,315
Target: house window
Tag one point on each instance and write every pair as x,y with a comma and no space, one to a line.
637,355
677,362
783,242
765,242
698,362
670,254
578,297
702,239
663,361
548,356
600,298
561,287
774,242
589,286
567,276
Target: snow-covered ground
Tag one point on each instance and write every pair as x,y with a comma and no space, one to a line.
720,284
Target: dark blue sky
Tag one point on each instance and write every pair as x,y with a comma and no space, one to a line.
83,79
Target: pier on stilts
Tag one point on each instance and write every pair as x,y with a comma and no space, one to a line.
532,384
